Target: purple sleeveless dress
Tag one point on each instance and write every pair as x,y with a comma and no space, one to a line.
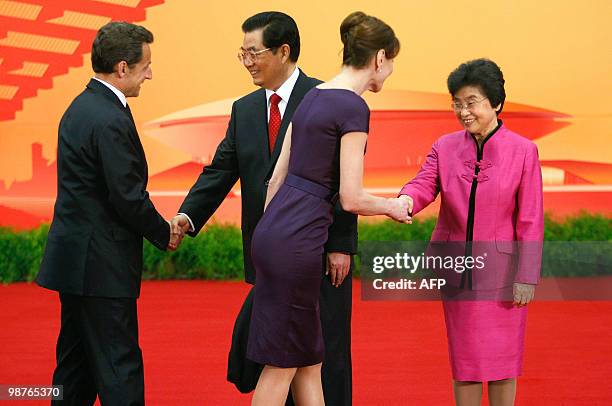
288,242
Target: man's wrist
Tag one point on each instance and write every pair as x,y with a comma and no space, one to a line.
191,227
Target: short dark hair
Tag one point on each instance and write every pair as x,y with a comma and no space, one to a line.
363,36
118,41
278,29
482,73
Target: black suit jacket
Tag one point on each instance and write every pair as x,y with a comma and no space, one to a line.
244,154
103,210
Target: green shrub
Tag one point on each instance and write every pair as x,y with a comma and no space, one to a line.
419,230
216,253
581,227
20,253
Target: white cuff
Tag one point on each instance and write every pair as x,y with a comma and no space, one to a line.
191,227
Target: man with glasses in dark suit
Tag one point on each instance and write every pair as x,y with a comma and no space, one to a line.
248,153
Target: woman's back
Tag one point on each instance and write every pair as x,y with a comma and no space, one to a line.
323,116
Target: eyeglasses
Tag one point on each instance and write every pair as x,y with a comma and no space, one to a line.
250,55
469,106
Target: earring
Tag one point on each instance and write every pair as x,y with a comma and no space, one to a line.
379,70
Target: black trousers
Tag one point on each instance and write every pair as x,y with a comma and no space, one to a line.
336,373
98,353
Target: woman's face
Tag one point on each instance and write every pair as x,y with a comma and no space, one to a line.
474,111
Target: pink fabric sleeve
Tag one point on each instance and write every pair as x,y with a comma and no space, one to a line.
530,219
425,186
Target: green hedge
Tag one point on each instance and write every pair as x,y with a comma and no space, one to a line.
20,253
217,252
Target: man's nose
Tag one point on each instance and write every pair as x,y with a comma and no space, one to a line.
247,62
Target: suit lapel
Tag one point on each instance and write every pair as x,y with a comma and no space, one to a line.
297,94
134,134
260,126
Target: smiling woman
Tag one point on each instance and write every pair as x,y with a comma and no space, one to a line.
491,187
478,94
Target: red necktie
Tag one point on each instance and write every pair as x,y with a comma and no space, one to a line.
275,120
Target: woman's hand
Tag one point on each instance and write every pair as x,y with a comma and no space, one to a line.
410,204
400,209
523,293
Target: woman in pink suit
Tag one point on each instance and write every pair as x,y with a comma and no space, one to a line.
490,183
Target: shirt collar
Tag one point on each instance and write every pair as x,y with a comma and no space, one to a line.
286,88
118,92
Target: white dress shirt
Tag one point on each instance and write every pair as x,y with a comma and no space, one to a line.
118,92
284,91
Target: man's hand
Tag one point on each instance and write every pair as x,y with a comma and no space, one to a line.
523,293
176,236
338,267
178,227
180,221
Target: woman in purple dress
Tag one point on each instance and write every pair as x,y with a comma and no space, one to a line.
490,183
327,141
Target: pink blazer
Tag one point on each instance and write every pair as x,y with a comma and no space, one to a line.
507,203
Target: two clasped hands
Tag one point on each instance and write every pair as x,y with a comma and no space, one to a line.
338,264
179,225
400,209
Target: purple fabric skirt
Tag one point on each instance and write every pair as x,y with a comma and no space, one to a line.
287,249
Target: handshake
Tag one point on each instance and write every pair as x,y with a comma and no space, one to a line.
179,225
400,209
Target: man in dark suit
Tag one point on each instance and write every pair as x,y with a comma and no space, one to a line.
249,152
93,256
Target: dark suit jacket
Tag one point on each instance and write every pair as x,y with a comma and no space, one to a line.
244,154
103,210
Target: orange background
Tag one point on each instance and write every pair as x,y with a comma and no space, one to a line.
554,56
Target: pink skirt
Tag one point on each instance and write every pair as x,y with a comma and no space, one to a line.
486,339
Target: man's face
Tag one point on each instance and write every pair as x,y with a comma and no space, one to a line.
138,73
266,68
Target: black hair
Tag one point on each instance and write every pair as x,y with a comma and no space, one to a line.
482,73
278,29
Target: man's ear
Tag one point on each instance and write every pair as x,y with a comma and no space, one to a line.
121,68
285,52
